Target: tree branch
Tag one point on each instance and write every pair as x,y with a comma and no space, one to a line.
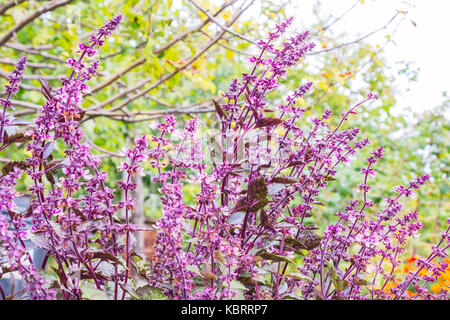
8,5
118,75
195,29
167,76
5,75
28,105
190,109
41,47
22,48
199,108
220,25
96,147
357,40
29,64
36,14
342,16
227,47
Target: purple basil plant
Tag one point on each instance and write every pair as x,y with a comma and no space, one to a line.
247,236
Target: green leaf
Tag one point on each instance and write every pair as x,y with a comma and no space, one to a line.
194,269
338,284
236,285
290,296
90,292
150,293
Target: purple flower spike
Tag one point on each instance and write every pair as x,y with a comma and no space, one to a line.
11,90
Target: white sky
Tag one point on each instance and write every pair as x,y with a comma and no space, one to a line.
427,45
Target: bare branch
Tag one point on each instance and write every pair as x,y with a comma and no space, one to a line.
41,47
121,94
227,47
189,109
199,108
357,40
195,29
28,105
26,49
8,5
139,45
22,48
29,64
146,115
128,119
5,75
96,147
220,25
341,16
118,75
36,14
